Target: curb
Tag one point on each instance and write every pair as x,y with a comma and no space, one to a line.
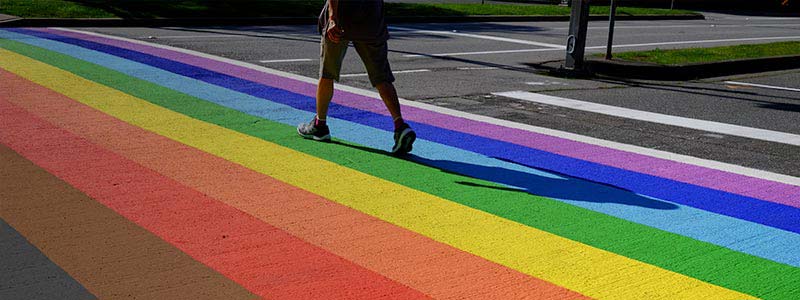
8,18
636,70
119,22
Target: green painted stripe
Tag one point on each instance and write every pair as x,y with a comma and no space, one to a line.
707,262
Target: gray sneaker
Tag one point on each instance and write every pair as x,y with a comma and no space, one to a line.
311,131
404,138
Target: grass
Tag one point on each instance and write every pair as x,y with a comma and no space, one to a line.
51,9
273,8
715,54
418,9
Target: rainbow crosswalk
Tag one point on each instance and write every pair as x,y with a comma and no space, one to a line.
187,168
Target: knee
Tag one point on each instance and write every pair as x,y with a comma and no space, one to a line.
326,83
384,85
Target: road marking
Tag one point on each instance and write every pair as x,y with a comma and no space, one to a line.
393,72
477,68
546,82
703,125
706,163
769,18
232,34
285,60
604,46
191,36
479,36
763,86
480,52
356,75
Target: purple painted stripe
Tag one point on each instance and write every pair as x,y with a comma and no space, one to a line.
716,179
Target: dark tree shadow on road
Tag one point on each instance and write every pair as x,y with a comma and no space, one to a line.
264,35
474,62
215,30
566,188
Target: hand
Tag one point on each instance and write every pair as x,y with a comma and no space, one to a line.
334,33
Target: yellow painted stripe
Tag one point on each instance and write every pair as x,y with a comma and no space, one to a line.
593,272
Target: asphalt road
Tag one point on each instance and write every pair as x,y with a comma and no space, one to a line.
461,66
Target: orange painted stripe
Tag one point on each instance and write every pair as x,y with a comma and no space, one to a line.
433,268
260,257
106,253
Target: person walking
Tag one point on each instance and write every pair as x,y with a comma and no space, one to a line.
363,23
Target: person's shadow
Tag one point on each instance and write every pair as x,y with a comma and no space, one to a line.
565,188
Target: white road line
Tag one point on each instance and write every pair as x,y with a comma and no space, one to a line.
499,122
229,34
545,83
411,71
763,86
285,60
477,68
480,53
769,18
603,47
709,126
356,75
479,36
393,72
193,36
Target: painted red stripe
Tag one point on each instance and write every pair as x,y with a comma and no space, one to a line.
260,257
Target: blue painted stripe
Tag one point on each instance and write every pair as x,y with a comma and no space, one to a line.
725,231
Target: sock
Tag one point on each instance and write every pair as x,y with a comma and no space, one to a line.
319,122
398,122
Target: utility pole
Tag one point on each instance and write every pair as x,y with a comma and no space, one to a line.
576,41
612,16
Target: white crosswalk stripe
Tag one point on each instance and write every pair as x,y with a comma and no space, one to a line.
710,126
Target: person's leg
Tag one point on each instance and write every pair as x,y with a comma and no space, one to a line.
324,96
374,55
389,96
331,56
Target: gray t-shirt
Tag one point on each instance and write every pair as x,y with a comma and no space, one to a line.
361,20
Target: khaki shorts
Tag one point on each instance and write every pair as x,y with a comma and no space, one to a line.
373,54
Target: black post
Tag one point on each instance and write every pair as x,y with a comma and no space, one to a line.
576,41
612,16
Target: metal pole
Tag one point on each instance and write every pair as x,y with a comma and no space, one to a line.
576,41
612,16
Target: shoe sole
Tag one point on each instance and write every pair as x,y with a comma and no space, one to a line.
406,142
324,138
